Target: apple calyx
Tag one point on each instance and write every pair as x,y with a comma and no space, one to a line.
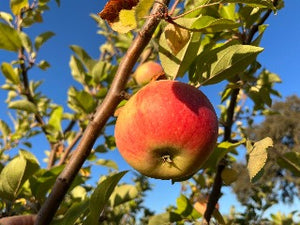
166,159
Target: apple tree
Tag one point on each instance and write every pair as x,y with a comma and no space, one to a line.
199,42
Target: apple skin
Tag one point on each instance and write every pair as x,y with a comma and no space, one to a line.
167,130
146,71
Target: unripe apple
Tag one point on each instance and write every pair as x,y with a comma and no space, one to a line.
167,130
147,71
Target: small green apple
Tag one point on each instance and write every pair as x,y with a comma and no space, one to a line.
167,130
147,71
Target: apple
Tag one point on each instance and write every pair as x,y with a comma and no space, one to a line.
147,71
167,130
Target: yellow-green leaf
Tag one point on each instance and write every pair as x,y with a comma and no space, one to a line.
126,22
17,5
258,156
9,72
9,38
143,8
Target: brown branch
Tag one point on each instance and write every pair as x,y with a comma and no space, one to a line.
216,190
103,113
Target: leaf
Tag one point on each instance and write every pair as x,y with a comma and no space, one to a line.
164,218
7,17
101,195
15,173
44,65
9,38
211,24
9,72
17,5
107,163
122,194
255,3
4,128
219,152
55,118
42,38
224,62
185,208
26,42
74,212
176,37
290,161
126,22
111,10
23,105
143,8
229,175
77,69
176,66
257,158
84,57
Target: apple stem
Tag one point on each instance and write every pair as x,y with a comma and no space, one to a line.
167,158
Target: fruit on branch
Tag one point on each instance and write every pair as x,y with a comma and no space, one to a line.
147,71
167,130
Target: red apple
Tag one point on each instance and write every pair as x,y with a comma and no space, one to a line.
167,130
146,71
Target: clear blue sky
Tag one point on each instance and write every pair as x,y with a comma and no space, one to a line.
73,26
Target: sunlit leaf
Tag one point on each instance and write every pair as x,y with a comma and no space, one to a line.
24,105
17,5
9,72
223,63
55,118
42,38
101,195
107,163
122,194
257,158
9,38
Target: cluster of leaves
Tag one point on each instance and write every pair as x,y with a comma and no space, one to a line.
203,42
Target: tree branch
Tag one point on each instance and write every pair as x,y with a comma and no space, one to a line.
104,111
216,190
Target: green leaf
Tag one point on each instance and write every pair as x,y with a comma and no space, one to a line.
107,163
255,3
77,69
164,218
219,152
176,66
84,101
26,41
44,65
101,195
184,207
17,5
23,105
257,158
55,118
99,71
143,7
42,38
9,72
211,24
84,57
7,17
229,175
223,63
290,161
127,21
15,173
4,128
122,194
74,212
9,38
43,181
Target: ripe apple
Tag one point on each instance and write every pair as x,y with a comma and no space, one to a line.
167,130
146,71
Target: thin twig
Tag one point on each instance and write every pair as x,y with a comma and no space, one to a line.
103,113
69,148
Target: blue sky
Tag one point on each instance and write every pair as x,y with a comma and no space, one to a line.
73,26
